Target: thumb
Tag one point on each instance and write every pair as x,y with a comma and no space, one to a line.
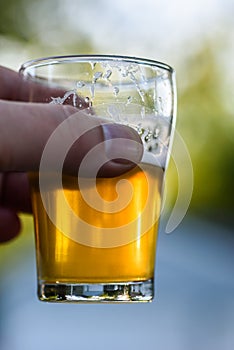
27,127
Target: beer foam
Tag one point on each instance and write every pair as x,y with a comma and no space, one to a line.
129,94
150,158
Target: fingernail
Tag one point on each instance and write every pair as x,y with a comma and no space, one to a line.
122,144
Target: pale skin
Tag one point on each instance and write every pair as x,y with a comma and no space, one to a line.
25,128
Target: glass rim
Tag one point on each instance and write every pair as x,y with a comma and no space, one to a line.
51,60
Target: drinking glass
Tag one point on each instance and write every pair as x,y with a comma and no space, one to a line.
96,237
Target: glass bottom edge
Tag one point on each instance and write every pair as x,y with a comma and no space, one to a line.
138,291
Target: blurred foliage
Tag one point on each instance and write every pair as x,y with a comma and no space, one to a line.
18,247
207,126
37,26
13,19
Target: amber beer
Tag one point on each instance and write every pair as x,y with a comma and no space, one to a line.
64,260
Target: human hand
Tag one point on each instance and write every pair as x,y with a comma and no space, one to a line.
24,131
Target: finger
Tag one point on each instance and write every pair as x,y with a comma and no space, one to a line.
9,224
14,87
26,128
9,84
15,192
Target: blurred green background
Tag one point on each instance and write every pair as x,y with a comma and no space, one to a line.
196,38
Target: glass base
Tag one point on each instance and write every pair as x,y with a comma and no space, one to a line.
141,291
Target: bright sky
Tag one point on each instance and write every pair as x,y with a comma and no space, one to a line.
150,28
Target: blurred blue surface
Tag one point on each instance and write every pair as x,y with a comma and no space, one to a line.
193,308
